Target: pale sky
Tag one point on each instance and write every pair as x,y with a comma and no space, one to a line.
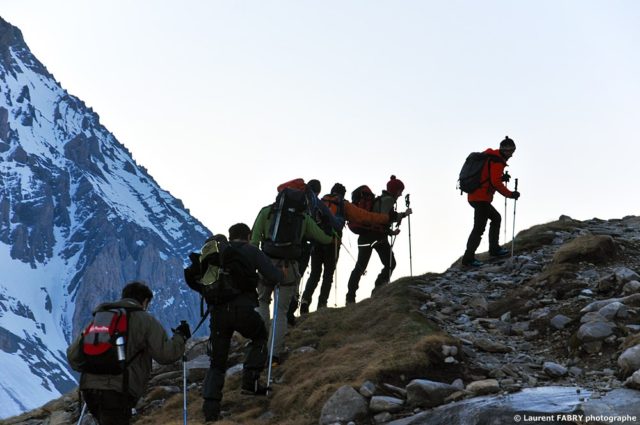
223,100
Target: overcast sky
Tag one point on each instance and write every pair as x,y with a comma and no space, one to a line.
222,101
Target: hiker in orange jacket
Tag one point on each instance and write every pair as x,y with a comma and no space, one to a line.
327,255
492,179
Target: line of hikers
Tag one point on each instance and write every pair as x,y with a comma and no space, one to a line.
239,276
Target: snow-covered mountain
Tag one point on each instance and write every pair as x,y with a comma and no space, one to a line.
78,219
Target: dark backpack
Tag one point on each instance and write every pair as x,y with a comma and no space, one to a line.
362,197
238,270
470,177
285,231
104,342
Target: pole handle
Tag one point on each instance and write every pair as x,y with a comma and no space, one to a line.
516,185
407,201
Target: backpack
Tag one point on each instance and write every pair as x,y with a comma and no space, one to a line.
337,209
235,276
470,177
362,197
104,342
285,230
297,184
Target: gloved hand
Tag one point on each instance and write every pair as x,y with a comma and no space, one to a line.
394,232
506,177
183,330
408,212
515,195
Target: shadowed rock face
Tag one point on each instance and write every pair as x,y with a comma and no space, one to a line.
78,219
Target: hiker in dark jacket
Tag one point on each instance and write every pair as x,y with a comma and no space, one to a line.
107,399
239,315
375,237
333,223
492,179
326,256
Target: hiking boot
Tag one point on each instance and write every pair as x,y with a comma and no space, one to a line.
321,306
253,388
211,410
472,263
304,307
500,252
351,299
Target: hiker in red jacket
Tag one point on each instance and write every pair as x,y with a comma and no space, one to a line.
492,179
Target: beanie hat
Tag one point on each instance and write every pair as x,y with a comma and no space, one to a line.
314,185
507,143
338,189
395,186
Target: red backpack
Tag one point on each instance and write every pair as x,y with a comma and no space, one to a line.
104,342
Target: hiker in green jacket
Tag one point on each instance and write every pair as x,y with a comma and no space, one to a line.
260,235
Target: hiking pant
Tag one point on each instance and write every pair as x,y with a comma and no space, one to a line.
287,289
225,320
327,256
366,244
483,211
303,262
109,407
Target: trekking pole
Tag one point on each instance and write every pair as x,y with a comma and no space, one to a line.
392,241
505,217
184,381
513,234
84,409
276,295
335,271
408,204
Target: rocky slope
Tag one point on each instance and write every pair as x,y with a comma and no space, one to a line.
551,335
78,218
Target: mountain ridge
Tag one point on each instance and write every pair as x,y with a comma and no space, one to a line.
78,219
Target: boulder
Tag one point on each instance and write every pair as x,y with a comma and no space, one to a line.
629,360
483,387
595,331
345,405
425,393
385,404
554,370
593,248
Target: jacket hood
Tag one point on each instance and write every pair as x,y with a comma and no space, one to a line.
496,153
123,303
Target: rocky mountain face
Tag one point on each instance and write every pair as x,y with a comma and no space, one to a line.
551,335
78,219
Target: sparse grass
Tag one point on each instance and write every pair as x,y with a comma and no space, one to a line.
383,339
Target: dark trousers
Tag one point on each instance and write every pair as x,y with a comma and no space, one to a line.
225,320
483,211
109,407
366,245
321,256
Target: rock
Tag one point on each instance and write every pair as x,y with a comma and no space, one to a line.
345,405
633,381
458,383
622,403
575,371
385,404
595,331
630,300
559,321
491,346
425,393
449,350
613,310
382,418
596,249
483,387
479,306
304,350
593,316
400,392
631,287
234,370
554,370
625,274
60,418
368,389
629,360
